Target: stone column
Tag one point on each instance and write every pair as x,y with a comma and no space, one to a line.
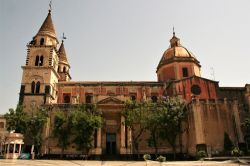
20,148
123,128
7,154
14,149
199,129
98,149
237,122
99,137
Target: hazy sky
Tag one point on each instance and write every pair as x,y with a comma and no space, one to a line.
125,39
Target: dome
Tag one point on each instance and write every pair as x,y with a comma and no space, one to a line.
177,53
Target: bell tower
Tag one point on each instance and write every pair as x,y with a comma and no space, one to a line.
40,75
63,65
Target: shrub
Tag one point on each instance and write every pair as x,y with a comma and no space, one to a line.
161,159
236,152
201,154
146,157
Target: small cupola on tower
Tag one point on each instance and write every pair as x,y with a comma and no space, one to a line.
175,41
46,36
63,67
177,62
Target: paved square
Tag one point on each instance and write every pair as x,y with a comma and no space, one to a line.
4,162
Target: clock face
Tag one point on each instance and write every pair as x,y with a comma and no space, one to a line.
196,90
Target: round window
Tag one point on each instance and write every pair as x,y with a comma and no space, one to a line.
195,89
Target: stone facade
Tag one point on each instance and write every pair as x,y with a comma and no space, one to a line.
212,110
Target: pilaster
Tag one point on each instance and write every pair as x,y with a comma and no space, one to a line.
237,122
98,149
199,129
123,128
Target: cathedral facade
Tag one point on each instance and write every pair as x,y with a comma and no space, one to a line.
212,110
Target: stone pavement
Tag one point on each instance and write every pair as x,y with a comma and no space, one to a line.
4,162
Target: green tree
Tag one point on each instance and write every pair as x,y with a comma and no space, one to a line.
85,120
62,130
35,125
172,115
152,123
29,125
135,114
16,119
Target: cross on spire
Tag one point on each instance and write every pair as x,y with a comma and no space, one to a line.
173,31
63,37
50,5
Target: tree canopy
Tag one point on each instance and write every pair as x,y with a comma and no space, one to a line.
31,125
77,125
17,119
135,114
62,130
163,119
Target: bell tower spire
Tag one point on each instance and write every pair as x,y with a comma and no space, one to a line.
46,35
63,66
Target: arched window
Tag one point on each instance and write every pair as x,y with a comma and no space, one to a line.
58,68
64,69
37,60
41,41
41,61
66,99
38,87
33,84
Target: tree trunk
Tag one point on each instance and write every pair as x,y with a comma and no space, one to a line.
135,141
180,142
137,149
62,153
155,145
174,150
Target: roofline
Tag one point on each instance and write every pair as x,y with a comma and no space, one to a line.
120,83
196,77
232,88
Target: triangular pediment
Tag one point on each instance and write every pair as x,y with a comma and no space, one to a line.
110,100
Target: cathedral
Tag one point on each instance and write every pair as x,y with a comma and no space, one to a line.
212,110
